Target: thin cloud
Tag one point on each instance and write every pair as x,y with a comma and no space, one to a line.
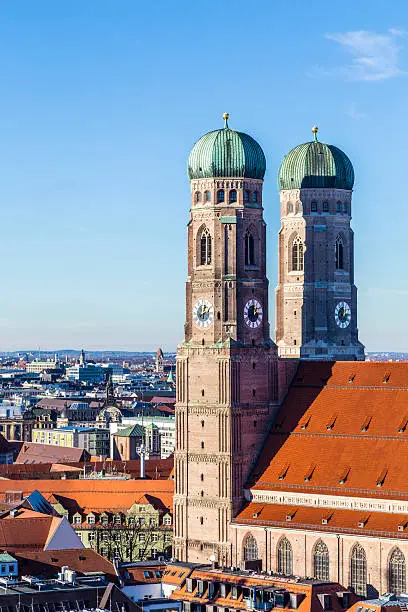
352,112
375,56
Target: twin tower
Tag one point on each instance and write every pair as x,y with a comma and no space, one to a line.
230,380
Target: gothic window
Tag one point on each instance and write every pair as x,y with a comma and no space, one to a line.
207,196
338,207
250,549
249,249
246,195
339,253
220,195
205,247
397,573
254,197
198,196
325,207
297,255
313,207
358,570
291,207
345,207
285,557
233,195
321,561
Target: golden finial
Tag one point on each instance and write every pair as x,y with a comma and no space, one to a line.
226,117
315,129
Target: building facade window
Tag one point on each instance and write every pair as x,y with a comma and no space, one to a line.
358,570
249,249
246,195
313,206
207,196
285,557
297,255
250,549
339,253
345,208
254,197
205,247
220,195
321,561
325,207
397,573
198,197
233,195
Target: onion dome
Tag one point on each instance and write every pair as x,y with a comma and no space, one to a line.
316,164
226,153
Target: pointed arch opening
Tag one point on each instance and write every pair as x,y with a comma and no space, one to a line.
321,567
358,570
285,556
297,255
233,196
397,572
250,548
339,253
249,248
205,246
220,195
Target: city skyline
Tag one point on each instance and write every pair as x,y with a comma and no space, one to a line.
96,139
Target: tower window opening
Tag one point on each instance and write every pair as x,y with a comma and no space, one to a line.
249,249
254,366
325,207
202,477
338,207
218,315
198,197
339,253
201,520
313,206
220,195
233,195
297,255
202,443
246,195
254,197
294,343
202,392
254,423
207,196
345,207
202,423
253,392
291,208
205,247
203,341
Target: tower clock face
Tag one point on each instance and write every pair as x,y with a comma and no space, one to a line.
203,313
342,314
253,313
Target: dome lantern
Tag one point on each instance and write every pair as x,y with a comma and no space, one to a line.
226,153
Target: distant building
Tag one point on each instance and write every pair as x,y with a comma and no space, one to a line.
126,442
6,451
37,366
86,373
159,361
164,424
92,439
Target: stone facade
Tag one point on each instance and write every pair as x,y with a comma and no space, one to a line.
316,277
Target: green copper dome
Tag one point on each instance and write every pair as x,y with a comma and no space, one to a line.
226,153
316,164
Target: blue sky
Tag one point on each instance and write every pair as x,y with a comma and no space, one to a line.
101,101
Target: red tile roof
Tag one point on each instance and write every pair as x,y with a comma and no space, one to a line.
342,429
31,452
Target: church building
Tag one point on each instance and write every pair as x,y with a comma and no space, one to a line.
289,456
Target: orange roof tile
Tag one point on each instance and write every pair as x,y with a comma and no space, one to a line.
342,429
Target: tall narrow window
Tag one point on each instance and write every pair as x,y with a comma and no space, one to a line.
321,561
249,249
220,195
207,196
358,570
297,255
285,557
198,196
233,195
246,195
345,207
339,253
397,573
254,197
250,549
205,247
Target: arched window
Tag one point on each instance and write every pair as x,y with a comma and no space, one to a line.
397,573
198,196
220,195
338,207
291,208
246,195
358,570
207,196
321,561
345,207
339,253
254,197
313,207
205,247
233,195
285,557
250,549
249,249
297,255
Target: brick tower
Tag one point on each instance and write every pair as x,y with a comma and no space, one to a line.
316,298
227,389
